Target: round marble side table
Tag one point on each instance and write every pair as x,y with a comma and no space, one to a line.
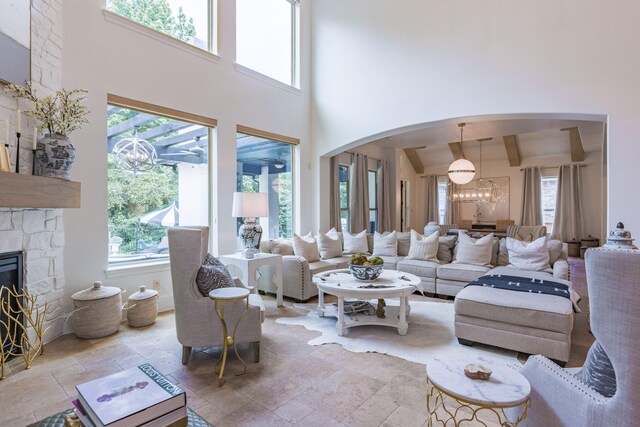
220,297
454,399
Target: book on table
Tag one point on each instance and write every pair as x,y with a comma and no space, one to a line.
133,397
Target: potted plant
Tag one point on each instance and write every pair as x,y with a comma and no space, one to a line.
59,115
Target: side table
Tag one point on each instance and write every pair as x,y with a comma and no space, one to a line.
454,399
220,297
250,266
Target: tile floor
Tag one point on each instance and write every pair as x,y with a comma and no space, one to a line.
294,383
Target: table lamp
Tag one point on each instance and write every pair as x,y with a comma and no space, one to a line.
250,206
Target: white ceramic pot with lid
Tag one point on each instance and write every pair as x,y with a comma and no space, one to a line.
142,307
97,311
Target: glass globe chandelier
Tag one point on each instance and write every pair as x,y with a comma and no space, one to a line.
461,171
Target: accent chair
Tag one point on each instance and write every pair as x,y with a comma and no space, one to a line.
197,324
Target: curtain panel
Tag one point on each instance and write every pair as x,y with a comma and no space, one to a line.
334,202
359,194
432,211
567,224
531,197
384,197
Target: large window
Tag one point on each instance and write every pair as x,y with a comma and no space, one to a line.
157,178
266,38
442,198
191,21
373,200
265,165
549,188
344,196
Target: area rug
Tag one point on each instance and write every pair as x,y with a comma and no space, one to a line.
431,335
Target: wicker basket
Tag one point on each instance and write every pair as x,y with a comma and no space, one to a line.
97,311
142,308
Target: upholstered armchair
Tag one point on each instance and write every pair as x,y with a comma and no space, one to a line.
558,398
526,232
197,324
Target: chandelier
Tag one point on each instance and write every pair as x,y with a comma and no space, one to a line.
461,171
135,154
483,190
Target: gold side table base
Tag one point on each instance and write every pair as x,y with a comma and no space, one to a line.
446,410
229,340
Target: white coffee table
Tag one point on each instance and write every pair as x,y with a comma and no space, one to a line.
342,284
454,399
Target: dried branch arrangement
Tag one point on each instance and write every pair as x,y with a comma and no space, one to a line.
28,318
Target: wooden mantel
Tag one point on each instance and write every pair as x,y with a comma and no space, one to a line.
29,191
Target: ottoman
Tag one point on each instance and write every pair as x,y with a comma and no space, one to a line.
521,321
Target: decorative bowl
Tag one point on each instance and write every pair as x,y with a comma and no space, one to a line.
366,272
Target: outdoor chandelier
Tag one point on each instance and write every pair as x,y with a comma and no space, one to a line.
135,154
461,171
278,164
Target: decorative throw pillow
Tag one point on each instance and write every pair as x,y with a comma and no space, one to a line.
385,245
424,248
532,256
494,251
555,250
503,253
280,246
404,243
329,244
597,371
355,243
445,248
474,251
213,275
306,247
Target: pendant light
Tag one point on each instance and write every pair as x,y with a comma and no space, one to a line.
461,171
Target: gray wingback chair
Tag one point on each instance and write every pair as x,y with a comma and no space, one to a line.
558,398
197,324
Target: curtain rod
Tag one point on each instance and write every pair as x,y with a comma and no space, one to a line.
353,154
557,166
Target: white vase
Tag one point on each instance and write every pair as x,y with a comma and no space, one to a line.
55,154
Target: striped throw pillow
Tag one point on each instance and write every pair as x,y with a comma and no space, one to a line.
598,372
424,248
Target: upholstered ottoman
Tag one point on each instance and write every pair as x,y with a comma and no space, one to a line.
522,321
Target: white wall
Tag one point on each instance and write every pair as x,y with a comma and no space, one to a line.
379,67
106,57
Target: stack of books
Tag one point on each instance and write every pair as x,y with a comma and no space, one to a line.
139,396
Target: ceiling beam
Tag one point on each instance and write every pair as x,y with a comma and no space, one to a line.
511,145
456,150
577,150
413,157
123,127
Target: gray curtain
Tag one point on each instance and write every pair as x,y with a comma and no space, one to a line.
567,224
432,212
359,194
531,197
384,197
334,202
452,211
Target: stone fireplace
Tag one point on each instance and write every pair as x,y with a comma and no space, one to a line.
11,276
38,234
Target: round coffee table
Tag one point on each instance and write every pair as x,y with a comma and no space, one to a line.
390,284
454,399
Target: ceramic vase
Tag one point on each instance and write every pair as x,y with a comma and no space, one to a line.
55,154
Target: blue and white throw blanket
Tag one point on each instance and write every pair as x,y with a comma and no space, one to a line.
523,284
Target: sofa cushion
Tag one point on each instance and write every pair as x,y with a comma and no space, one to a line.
213,275
474,251
503,253
329,244
404,243
316,267
461,272
555,250
423,269
424,247
355,243
391,262
280,246
597,371
528,255
445,248
385,245
338,262
306,247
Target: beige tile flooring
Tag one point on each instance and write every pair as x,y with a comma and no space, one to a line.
294,383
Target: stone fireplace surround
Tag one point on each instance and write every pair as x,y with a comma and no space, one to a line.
39,234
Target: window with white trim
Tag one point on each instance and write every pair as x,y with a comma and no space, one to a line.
549,187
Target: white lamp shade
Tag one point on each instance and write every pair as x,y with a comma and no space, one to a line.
461,171
250,205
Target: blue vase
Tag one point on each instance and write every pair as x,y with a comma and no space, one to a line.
55,154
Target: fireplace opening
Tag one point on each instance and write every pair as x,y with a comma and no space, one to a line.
10,278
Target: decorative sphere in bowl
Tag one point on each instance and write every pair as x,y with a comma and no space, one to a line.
366,272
